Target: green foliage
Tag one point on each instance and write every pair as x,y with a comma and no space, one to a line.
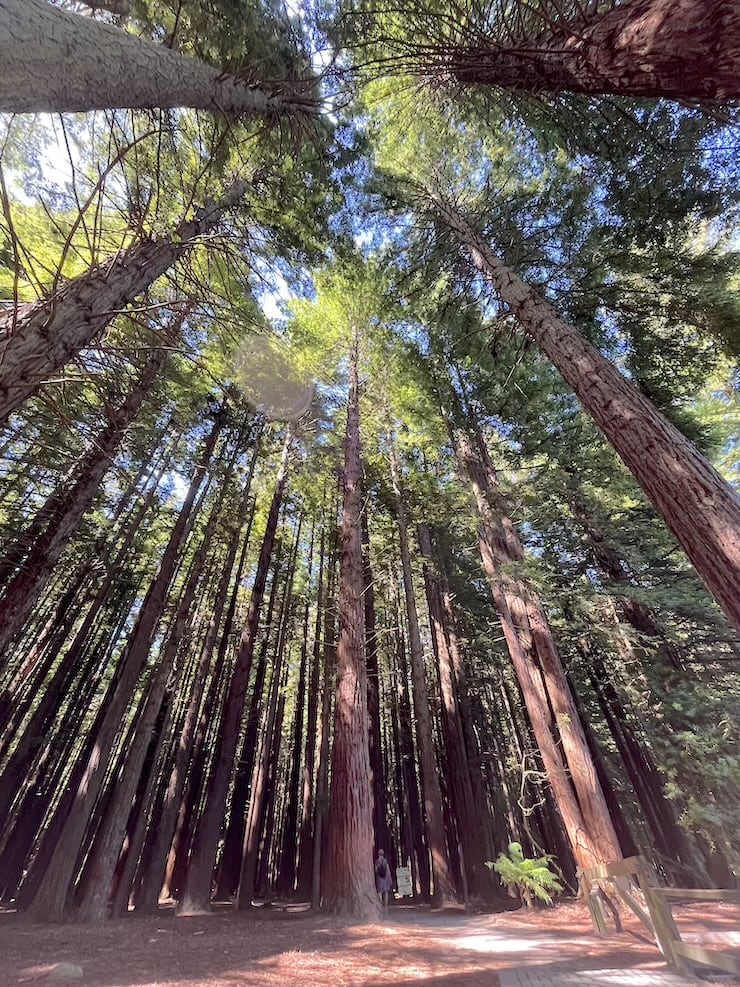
531,876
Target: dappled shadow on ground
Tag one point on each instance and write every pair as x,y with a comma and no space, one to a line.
270,948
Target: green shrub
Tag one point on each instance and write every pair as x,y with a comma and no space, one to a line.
531,876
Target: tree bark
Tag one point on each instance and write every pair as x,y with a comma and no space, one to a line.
552,713
699,507
469,814
147,895
58,62
49,902
305,841
348,879
287,870
57,689
101,867
265,762
231,858
677,49
39,338
444,889
197,894
321,802
412,820
24,589
377,767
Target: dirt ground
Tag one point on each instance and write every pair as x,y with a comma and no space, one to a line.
298,949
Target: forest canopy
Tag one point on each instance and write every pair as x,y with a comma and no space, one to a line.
369,448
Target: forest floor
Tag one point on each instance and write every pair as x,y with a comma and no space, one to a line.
297,949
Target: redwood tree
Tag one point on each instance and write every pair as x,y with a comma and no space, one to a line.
347,875
700,508
38,339
676,49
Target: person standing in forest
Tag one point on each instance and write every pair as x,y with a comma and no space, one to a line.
383,882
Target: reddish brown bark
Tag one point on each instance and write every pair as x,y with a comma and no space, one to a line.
24,589
347,875
700,508
679,49
443,888
552,712
197,893
49,902
469,814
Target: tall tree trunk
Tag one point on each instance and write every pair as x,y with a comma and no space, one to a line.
61,681
347,876
39,338
467,722
147,895
48,903
444,890
24,589
552,713
699,507
660,812
101,867
287,870
58,62
678,49
55,772
305,841
469,814
377,768
197,894
231,858
265,763
321,802
412,822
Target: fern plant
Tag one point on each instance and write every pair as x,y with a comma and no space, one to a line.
531,876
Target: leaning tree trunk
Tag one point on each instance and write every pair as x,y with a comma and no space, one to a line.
699,507
197,896
146,895
678,49
347,875
58,62
444,888
265,761
25,588
552,713
38,339
267,790
25,746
